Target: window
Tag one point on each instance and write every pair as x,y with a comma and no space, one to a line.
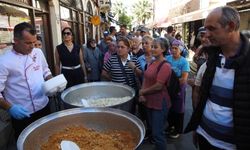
11,16
42,5
65,13
71,16
89,26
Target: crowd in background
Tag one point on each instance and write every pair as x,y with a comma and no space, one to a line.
135,58
148,64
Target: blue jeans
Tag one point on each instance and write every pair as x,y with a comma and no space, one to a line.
157,120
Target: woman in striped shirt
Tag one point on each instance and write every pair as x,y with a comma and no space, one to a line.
122,68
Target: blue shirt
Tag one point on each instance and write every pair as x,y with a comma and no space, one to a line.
179,66
143,62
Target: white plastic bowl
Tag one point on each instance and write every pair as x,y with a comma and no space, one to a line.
55,84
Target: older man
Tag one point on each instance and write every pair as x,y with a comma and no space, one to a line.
136,47
222,117
23,71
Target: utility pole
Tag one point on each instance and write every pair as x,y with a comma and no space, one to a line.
153,16
153,10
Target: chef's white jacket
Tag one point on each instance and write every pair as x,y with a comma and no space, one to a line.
21,79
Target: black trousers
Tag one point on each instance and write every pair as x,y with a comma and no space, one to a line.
73,77
142,111
205,145
19,125
176,120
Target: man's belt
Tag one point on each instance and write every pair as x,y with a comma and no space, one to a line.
71,67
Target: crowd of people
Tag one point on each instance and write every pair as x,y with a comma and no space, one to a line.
218,74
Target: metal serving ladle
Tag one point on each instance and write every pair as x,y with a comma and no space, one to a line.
85,103
69,145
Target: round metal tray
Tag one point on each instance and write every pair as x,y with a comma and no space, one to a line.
100,119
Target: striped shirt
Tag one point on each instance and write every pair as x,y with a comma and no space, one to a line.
113,67
217,120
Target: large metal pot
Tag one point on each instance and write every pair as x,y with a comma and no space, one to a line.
72,96
99,119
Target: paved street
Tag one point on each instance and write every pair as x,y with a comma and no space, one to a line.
185,141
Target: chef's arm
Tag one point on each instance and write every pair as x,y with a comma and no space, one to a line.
4,104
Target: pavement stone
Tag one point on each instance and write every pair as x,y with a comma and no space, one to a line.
185,141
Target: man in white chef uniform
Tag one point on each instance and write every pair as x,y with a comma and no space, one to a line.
23,70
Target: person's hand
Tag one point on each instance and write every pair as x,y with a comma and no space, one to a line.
18,112
190,82
141,92
142,99
131,65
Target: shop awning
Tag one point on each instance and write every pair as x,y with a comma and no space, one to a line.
193,16
11,11
160,23
167,22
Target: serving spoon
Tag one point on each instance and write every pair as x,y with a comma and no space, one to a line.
69,145
85,103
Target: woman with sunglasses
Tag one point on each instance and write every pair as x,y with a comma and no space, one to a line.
69,60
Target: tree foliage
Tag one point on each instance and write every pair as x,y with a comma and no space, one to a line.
142,10
124,19
118,9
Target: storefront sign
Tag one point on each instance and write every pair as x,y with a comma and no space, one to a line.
95,20
38,28
4,21
16,20
6,36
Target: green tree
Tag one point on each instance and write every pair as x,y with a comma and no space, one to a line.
124,19
118,9
142,10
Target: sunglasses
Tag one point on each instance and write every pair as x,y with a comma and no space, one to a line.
67,33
